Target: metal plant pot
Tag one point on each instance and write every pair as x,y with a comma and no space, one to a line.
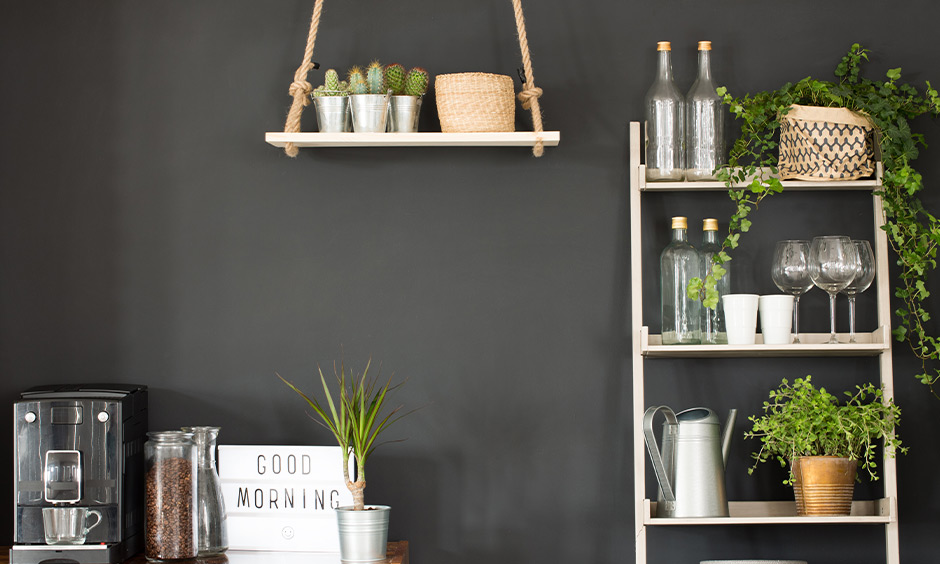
363,535
332,114
823,485
369,112
403,113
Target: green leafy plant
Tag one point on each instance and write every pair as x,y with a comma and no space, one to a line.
353,413
913,232
802,420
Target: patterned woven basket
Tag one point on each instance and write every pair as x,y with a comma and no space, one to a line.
475,101
825,144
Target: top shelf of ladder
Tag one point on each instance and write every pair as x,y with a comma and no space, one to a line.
682,186
417,139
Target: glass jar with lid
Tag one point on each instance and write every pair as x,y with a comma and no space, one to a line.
170,524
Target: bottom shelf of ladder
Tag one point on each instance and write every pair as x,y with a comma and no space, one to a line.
878,511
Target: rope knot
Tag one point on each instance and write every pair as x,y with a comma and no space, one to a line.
303,88
529,95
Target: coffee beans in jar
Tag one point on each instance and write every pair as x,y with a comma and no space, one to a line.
170,496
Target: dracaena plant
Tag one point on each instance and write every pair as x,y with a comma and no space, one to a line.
353,409
912,231
802,420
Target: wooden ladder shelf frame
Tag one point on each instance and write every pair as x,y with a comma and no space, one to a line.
881,511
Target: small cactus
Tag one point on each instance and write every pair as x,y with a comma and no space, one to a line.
395,78
332,86
357,81
331,80
375,78
416,82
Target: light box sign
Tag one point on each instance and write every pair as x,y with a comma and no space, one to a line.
282,497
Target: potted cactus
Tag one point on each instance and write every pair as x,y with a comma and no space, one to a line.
407,90
368,98
332,102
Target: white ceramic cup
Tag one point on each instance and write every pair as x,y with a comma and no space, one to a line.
741,318
776,319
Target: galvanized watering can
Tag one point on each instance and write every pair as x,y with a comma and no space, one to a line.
691,467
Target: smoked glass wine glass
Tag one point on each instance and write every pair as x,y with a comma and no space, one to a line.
863,279
833,263
791,274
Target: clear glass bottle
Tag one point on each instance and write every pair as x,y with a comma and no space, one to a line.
169,496
679,263
664,122
713,320
704,122
212,537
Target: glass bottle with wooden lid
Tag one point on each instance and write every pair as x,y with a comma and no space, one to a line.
704,122
679,263
664,121
713,319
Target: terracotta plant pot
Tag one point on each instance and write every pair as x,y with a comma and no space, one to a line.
823,485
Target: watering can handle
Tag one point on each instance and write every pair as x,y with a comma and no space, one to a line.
655,455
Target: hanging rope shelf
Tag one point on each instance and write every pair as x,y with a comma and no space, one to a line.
292,138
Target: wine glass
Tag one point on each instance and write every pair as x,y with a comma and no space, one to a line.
791,274
863,279
833,263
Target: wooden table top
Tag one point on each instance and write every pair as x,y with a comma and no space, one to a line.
397,554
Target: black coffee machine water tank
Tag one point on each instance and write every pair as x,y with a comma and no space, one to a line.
80,446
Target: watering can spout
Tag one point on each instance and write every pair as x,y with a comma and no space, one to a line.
726,435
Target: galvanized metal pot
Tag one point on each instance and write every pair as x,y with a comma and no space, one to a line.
403,113
363,535
369,112
823,485
332,114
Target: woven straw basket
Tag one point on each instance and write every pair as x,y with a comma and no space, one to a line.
475,101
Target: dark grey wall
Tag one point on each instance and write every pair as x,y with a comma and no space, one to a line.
149,235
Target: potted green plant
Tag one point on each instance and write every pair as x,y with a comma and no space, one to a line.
368,95
408,89
913,232
807,429
355,412
332,102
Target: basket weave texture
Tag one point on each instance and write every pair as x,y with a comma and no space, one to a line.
475,102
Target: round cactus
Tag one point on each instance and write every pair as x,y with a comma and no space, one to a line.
395,78
416,82
375,78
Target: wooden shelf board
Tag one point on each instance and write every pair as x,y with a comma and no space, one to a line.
418,139
673,186
813,344
879,511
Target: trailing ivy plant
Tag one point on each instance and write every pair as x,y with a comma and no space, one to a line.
913,232
802,420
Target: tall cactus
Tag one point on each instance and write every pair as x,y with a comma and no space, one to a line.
375,78
395,78
357,81
416,82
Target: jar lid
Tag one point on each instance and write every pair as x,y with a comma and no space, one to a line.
704,45
680,222
664,46
710,224
170,436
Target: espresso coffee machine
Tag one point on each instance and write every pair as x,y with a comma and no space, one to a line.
79,446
